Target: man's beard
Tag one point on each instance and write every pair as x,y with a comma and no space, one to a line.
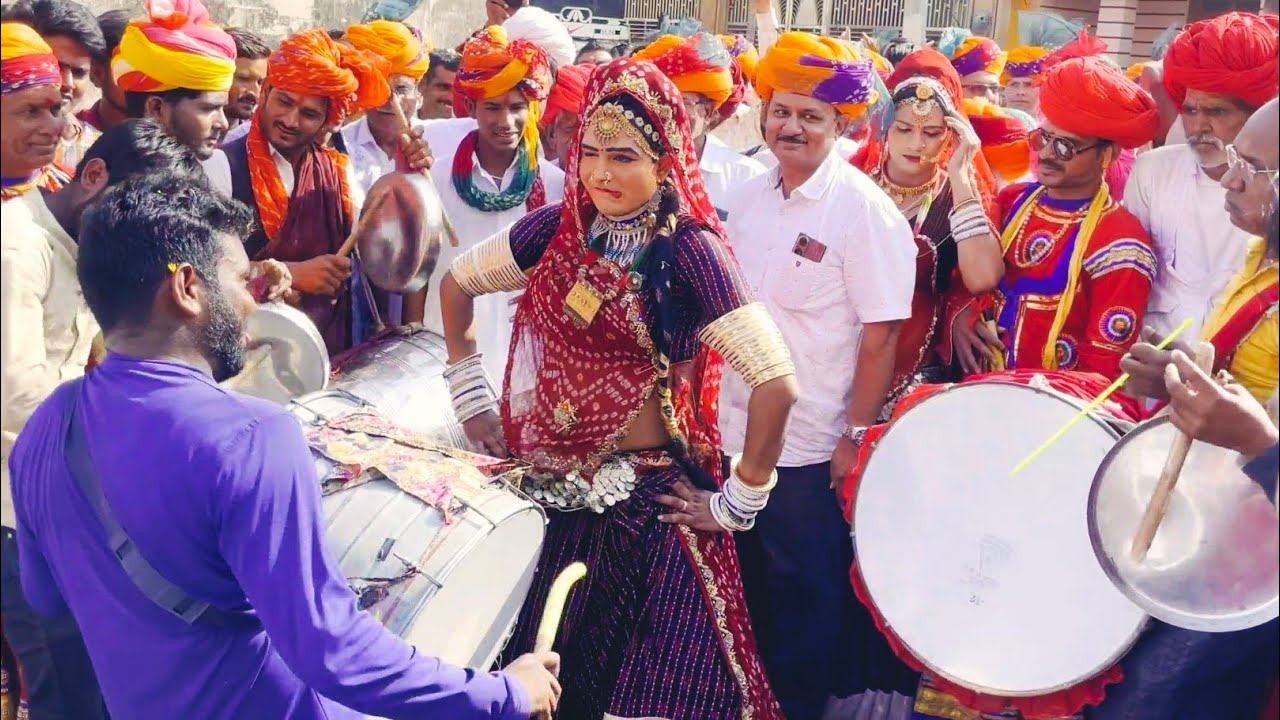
222,338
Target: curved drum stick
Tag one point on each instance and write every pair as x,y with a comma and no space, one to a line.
555,606
1159,503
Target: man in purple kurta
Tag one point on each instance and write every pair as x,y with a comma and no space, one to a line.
218,493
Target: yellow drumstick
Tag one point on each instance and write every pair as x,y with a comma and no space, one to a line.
555,606
1097,403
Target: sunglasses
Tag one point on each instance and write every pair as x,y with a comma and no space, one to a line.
1063,148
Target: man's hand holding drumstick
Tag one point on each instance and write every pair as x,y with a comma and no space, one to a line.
1219,413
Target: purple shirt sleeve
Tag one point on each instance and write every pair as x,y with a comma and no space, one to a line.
38,585
532,234
270,528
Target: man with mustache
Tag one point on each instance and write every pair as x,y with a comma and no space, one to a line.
702,68
1217,72
1078,267
833,261
33,112
176,68
163,268
495,173
305,195
251,71
437,85
47,334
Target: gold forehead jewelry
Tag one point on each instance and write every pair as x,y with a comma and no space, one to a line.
609,119
924,92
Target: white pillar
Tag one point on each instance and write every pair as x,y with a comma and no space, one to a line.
1116,19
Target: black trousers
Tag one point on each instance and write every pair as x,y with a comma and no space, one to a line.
60,681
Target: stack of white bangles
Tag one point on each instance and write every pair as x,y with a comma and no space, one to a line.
469,388
969,220
734,508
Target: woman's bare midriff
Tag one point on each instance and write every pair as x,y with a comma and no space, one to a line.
648,430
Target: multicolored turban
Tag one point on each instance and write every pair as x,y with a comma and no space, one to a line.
822,68
883,67
1089,97
178,46
1236,54
26,60
970,53
396,42
1003,136
698,64
1024,62
745,53
493,66
312,63
567,92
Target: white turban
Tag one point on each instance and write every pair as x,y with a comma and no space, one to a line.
544,30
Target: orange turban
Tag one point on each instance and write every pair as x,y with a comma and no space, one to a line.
395,42
698,64
1089,97
1003,136
745,53
311,63
177,47
493,66
822,68
1085,45
1024,62
1237,55
566,94
26,60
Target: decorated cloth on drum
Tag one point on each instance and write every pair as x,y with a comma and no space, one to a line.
939,697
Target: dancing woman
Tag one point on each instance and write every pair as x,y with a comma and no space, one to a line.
928,161
630,298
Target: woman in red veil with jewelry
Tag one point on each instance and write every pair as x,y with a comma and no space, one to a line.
927,160
631,298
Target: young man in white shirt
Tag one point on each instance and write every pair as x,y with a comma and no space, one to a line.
833,260
1174,191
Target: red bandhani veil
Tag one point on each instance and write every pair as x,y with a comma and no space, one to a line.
571,391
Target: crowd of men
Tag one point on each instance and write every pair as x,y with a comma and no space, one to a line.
1089,210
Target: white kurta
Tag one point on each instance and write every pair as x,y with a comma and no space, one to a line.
724,170
493,313
1198,248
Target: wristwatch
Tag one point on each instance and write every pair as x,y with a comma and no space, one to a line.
856,433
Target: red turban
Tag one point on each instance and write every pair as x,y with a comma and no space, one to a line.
311,63
929,63
1003,137
1085,45
1237,55
566,93
1089,97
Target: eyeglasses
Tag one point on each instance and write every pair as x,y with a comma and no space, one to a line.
1244,167
1063,148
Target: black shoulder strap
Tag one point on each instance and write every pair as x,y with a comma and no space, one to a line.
160,591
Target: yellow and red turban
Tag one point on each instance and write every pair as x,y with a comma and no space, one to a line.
492,66
971,54
698,64
1024,62
820,67
1236,54
1089,97
1004,138
744,53
395,42
178,46
312,63
26,60
567,93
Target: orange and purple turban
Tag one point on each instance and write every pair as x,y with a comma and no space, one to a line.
178,46
822,68
395,42
1004,138
312,63
1236,54
567,92
745,53
26,60
1024,62
971,54
698,64
1089,97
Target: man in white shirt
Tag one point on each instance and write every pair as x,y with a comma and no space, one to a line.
1218,72
705,86
490,172
833,260
46,333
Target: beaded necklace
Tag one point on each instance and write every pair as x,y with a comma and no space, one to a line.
616,250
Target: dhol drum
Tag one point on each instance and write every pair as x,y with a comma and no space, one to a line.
1214,564
401,372
989,580
449,576
286,357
